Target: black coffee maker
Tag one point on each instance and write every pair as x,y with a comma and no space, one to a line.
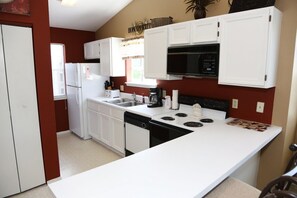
155,97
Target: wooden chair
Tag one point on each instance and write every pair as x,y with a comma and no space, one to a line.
282,187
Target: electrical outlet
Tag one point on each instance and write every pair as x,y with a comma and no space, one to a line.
163,93
235,103
260,107
122,88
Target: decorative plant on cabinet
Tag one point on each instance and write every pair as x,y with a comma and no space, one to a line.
198,7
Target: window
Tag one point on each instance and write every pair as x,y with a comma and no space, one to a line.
58,76
133,53
135,73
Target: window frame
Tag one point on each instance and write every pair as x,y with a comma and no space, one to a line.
59,97
130,83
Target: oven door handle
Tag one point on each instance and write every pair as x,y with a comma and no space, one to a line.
166,126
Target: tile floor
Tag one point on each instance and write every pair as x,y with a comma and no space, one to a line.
75,156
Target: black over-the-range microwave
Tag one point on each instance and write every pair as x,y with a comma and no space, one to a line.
194,60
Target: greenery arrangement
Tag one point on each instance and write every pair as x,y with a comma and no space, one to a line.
199,7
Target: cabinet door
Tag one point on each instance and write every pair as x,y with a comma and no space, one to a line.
179,33
118,135
243,53
92,50
155,50
105,128
111,62
117,63
94,124
105,57
204,30
23,105
88,50
9,181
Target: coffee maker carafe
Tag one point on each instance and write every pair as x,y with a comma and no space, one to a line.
155,97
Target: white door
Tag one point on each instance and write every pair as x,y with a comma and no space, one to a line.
9,182
73,74
75,114
23,104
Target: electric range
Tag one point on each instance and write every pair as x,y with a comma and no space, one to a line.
176,123
186,118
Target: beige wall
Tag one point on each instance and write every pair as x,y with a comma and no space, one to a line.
148,9
274,156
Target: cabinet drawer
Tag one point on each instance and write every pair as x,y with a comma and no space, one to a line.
93,105
117,113
104,109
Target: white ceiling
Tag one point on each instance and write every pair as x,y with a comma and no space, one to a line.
86,15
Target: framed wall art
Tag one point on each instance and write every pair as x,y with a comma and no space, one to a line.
15,6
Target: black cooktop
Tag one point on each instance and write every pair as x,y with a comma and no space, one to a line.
193,124
216,104
168,118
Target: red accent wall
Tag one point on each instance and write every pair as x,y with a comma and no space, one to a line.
61,113
39,21
74,42
247,97
74,52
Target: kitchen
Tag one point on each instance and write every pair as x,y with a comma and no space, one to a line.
278,111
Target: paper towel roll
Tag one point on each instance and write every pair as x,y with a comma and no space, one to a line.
174,99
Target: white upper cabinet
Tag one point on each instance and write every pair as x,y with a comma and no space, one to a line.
155,53
179,33
111,62
194,32
92,50
249,48
205,30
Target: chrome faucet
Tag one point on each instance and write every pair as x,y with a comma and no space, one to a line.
134,97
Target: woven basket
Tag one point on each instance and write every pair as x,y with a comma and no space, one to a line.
155,22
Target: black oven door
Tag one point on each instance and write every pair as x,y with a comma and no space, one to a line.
161,132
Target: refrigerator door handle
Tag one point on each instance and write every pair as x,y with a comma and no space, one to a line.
76,97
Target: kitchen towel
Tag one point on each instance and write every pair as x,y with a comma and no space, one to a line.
174,99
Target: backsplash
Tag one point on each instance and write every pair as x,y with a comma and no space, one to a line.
247,97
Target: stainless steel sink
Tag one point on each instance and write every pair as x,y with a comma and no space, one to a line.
129,104
123,102
118,100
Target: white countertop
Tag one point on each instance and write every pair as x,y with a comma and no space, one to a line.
147,111
139,109
189,166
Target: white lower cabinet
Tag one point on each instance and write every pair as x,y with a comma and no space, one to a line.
105,129
106,125
94,120
118,135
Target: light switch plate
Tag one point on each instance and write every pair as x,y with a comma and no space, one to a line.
235,103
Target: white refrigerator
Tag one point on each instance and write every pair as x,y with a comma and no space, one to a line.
83,81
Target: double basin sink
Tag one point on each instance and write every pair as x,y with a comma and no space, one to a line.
124,102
